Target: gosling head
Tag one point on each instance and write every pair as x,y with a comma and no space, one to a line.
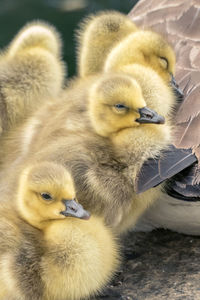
46,193
116,103
149,49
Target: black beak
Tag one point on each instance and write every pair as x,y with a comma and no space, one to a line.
149,116
74,209
177,91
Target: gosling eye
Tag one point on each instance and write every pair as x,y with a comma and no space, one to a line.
46,196
121,107
164,62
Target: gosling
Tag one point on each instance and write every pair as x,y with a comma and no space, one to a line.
97,35
110,40
31,72
46,251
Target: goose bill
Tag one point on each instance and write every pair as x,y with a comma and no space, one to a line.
74,209
149,116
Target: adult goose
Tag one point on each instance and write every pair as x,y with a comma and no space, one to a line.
179,206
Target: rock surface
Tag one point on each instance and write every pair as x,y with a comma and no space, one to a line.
157,265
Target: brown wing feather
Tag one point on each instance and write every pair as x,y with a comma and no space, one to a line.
179,22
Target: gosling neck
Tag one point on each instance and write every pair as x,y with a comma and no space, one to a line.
135,145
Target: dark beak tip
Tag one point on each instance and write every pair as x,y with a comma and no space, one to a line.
162,121
86,217
178,92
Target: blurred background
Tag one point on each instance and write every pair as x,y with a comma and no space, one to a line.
65,15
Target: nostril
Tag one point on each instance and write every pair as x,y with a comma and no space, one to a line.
148,116
71,204
73,209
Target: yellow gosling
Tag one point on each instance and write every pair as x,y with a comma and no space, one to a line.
31,72
46,251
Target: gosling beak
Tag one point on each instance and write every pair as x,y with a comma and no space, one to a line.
178,92
148,115
74,209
